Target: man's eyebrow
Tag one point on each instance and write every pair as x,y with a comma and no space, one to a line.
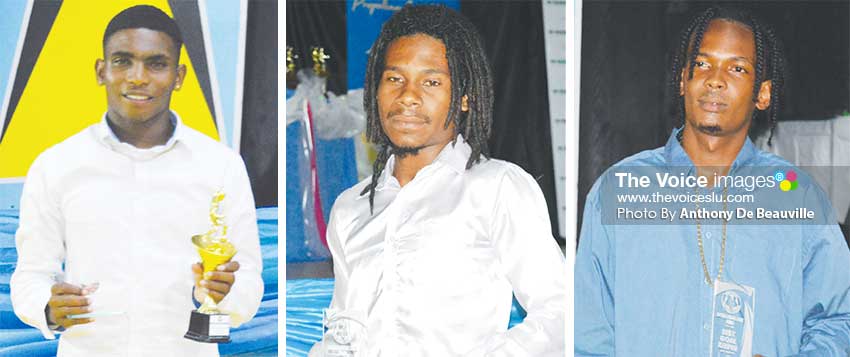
435,71
159,57
154,57
427,71
121,54
737,58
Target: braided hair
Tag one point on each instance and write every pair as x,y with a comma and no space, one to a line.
468,67
770,64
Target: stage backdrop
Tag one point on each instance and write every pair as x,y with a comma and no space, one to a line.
49,91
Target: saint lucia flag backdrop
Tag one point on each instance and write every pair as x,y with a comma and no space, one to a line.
49,92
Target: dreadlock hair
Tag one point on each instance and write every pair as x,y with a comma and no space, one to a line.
769,64
468,67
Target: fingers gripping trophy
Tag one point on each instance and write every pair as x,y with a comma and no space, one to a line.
208,323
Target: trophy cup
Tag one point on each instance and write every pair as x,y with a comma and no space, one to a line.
208,323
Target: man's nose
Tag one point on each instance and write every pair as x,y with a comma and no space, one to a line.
137,75
715,80
410,95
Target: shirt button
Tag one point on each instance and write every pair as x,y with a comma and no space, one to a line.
708,235
706,326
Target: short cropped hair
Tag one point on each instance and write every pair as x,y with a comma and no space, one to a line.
144,16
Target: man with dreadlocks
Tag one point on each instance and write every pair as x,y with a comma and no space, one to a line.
428,251
692,289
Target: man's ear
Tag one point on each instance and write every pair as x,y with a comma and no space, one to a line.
682,84
181,74
464,104
763,99
99,67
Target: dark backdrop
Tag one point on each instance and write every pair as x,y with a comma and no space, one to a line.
625,63
513,38
319,24
258,144
512,32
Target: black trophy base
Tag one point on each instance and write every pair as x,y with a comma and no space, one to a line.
213,328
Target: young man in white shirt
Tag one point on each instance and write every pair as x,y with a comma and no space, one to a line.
428,252
107,215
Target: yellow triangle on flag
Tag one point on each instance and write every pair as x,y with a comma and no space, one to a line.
62,96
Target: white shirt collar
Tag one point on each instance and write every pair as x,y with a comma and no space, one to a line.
107,137
453,156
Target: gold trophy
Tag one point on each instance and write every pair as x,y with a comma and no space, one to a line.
208,323
320,59
291,77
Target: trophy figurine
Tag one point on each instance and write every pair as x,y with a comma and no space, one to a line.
320,61
208,323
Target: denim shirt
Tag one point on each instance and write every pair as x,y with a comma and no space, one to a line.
640,290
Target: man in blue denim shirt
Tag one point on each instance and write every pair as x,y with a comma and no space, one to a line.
653,290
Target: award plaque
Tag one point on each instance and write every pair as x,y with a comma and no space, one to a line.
345,335
733,317
208,323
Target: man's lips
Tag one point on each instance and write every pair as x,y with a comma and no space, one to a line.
137,97
407,120
712,105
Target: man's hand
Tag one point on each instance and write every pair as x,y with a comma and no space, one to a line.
67,299
216,283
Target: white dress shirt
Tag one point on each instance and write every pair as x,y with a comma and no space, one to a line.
432,271
124,217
